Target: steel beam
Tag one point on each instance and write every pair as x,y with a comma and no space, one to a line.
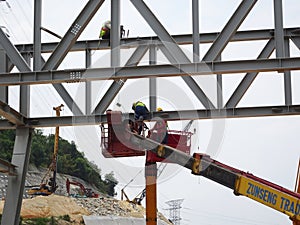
11,115
228,31
12,52
249,77
161,32
61,90
296,41
194,114
182,39
66,44
16,184
7,168
72,34
195,69
173,49
116,86
190,81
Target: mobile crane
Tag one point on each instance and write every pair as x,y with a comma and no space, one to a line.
48,185
242,183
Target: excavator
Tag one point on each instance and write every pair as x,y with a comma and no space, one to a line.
84,192
48,184
119,141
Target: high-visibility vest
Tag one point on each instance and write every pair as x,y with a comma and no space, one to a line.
139,104
103,31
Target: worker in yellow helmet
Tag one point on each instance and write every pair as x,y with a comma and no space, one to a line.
140,113
105,30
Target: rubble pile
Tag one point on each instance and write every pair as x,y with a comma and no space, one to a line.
112,207
57,206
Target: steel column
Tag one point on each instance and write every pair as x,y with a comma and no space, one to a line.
279,35
219,88
88,84
153,81
3,69
16,184
25,94
37,49
196,36
115,33
287,76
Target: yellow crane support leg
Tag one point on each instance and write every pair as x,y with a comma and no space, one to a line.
151,199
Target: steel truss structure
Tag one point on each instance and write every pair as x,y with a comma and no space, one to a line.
45,72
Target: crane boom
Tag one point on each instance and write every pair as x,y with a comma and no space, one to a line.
43,188
242,183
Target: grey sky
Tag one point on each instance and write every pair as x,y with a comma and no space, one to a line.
266,147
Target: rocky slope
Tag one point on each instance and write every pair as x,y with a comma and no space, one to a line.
74,208
60,206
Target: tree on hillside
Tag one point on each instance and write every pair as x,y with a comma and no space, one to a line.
111,182
70,160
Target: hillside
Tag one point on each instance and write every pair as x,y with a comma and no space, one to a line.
70,161
68,210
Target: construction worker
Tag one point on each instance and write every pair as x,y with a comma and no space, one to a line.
140,113
159,132
105,30
122,31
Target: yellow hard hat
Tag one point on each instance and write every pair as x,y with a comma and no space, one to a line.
159,109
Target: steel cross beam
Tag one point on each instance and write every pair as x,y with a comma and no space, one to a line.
65,45
171,49
11,115
249,77
182,39
228,31
116,86
7,168
12,52
202,68
197,114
